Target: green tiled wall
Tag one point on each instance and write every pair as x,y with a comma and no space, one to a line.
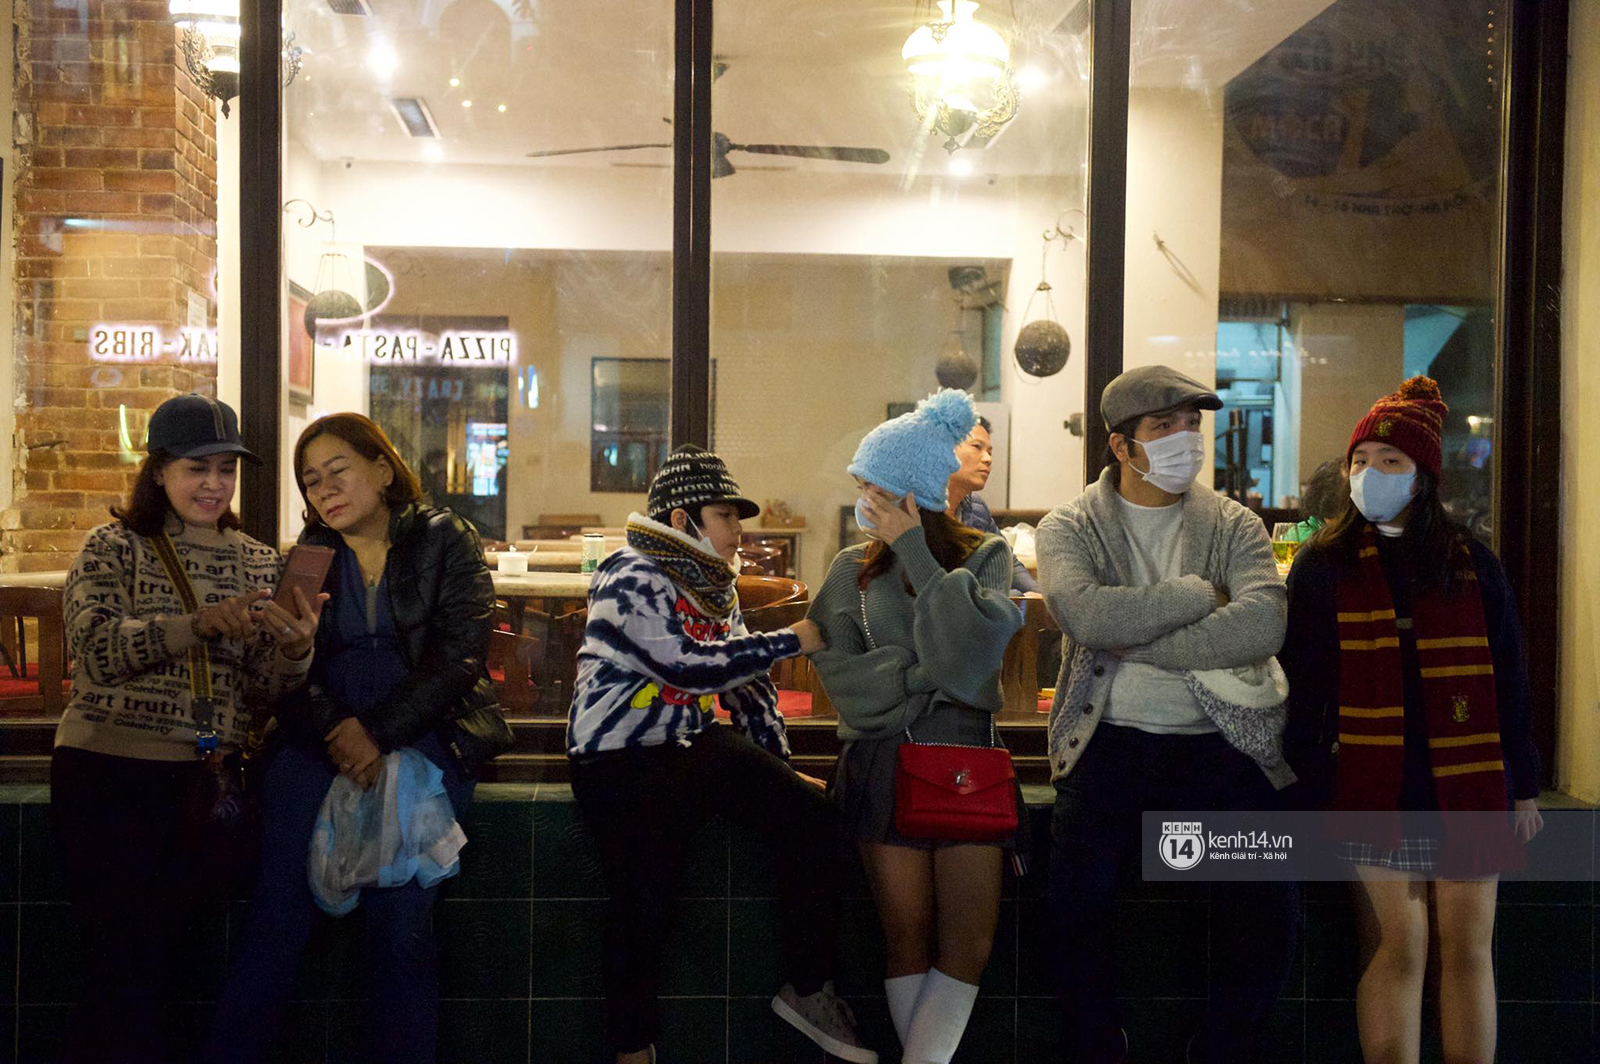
519,933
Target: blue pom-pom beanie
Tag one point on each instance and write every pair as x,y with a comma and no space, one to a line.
915,453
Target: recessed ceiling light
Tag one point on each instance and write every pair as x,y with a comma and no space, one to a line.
960,166
502,108
432,152
455,83
466,103
382,60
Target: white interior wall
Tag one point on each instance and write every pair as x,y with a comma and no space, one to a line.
1174,192
828,221
817,217
1350,355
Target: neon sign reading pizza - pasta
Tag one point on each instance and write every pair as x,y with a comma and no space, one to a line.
416,346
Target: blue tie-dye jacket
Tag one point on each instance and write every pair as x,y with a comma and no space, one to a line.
652,664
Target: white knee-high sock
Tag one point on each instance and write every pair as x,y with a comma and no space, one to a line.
940,1020
903,992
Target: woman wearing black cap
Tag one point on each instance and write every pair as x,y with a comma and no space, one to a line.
138,738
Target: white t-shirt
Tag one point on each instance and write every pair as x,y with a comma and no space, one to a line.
1148,697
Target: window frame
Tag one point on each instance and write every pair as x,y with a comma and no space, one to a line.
1528,356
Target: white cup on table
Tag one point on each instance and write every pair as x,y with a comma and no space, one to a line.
513,562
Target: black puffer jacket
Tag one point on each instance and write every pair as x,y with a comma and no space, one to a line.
443,599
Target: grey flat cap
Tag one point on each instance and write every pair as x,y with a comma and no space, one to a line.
1150,389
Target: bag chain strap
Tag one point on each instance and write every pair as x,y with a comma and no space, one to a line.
994,731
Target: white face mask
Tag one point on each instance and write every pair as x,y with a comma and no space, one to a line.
1175,460
705,540
1382,496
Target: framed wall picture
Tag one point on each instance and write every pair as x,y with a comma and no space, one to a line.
301,372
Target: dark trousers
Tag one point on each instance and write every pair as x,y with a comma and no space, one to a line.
403,985
1095,842
119,832
642,805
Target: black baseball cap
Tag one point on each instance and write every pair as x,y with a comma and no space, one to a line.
195,426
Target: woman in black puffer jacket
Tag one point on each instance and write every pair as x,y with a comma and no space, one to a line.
400,662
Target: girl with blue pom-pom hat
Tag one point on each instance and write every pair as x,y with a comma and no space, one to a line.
916,624
914,454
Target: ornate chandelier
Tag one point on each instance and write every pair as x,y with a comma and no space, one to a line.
961,80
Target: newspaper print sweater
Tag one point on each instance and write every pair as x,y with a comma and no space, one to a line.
125,625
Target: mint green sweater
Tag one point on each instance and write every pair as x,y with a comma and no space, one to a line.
943,644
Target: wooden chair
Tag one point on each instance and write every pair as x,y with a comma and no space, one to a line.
773,553
512,657
559,526
800,692
555,628
1019,673
1007,518
761,592
45,606
762,560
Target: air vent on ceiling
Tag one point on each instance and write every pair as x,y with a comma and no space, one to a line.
350,7
1074,24
413,113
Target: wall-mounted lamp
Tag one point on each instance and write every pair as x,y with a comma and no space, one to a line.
330,293
211,32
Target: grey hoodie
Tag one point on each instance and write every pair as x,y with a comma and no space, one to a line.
1085,573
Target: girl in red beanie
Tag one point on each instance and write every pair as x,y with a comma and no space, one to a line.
1409,694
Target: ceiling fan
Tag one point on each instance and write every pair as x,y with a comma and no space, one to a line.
721,146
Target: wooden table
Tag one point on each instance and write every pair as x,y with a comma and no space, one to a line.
753,534
55,578
549,608
539,546
550,561
37,595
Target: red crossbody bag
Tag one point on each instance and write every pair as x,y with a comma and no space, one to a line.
952,791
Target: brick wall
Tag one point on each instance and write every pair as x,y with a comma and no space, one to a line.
115,222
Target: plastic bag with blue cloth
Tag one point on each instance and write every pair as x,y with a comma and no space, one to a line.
401,829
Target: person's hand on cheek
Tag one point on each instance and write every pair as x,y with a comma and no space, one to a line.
890,519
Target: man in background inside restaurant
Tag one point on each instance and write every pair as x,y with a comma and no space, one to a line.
976,454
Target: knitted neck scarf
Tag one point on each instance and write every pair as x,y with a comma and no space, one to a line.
1458,695
705,578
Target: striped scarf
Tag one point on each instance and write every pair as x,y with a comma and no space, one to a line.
1458,697
706,579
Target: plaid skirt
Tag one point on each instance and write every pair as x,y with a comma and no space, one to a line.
1418,855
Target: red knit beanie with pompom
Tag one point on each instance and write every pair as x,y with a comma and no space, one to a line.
1411,419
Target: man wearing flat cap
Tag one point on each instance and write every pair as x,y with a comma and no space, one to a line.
1159,583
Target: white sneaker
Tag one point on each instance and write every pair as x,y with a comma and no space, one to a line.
826,1019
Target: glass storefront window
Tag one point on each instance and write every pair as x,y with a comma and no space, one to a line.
449,285
111,191
890,235
1313,207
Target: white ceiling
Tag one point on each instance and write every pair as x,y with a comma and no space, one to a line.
824,72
